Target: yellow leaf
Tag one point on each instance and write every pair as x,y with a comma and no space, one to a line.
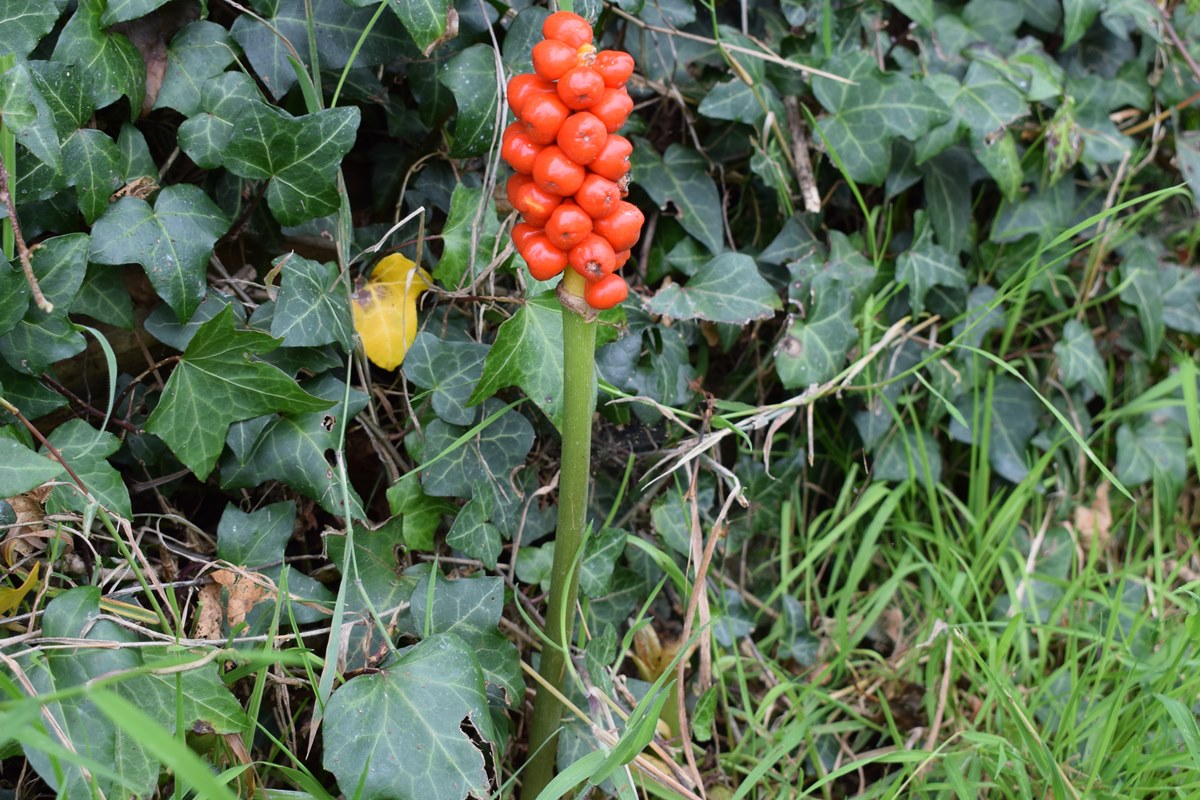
385,309
11,598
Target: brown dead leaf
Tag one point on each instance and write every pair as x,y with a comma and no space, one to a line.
242,593
141,188
30,535
1094,522
209,617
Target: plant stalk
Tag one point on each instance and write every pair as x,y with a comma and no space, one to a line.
579,404
8,155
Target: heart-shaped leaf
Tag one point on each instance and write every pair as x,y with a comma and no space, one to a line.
396,734
215,384
299,155
172,241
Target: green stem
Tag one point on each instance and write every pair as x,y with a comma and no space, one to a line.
579,404
8,154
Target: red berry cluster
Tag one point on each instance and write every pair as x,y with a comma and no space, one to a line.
572,169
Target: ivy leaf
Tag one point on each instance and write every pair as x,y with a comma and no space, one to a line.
425,20
984,315
735,100
1079,359
132,771
90,164
523,33
125,10
64,95
376,559
815,348
338,29
919,11
112,66
471,77
681,178
396,734
907,455
422,514
1152,447
172,241
204,136
199,52
473,534
59,264
1187,151
469,236
1143,290
21,469
1180,298
87,450
25,22
1078,17
450,370
40,340
471,609
215,384
1038,213
948,198
527,353
312,308
293,448
925,265
728,288
984,104
600,556
299,155
14,297
487,458
1014,420
864,118
255,538
103,296
27,114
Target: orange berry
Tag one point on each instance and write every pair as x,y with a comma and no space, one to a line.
598,196
534,203
552,58
521,87
568,225
622,227
581,87
556,173
544,259
545,114
517,149
520,233
567,27
621,257
613,160
614,67
593,258
581,137
606,292
612,107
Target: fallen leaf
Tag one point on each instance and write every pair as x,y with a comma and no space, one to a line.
1094,522
385,309
209,617
242,593
11,598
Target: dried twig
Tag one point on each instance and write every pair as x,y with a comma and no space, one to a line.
6,197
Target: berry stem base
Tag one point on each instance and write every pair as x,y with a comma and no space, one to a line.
579,404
